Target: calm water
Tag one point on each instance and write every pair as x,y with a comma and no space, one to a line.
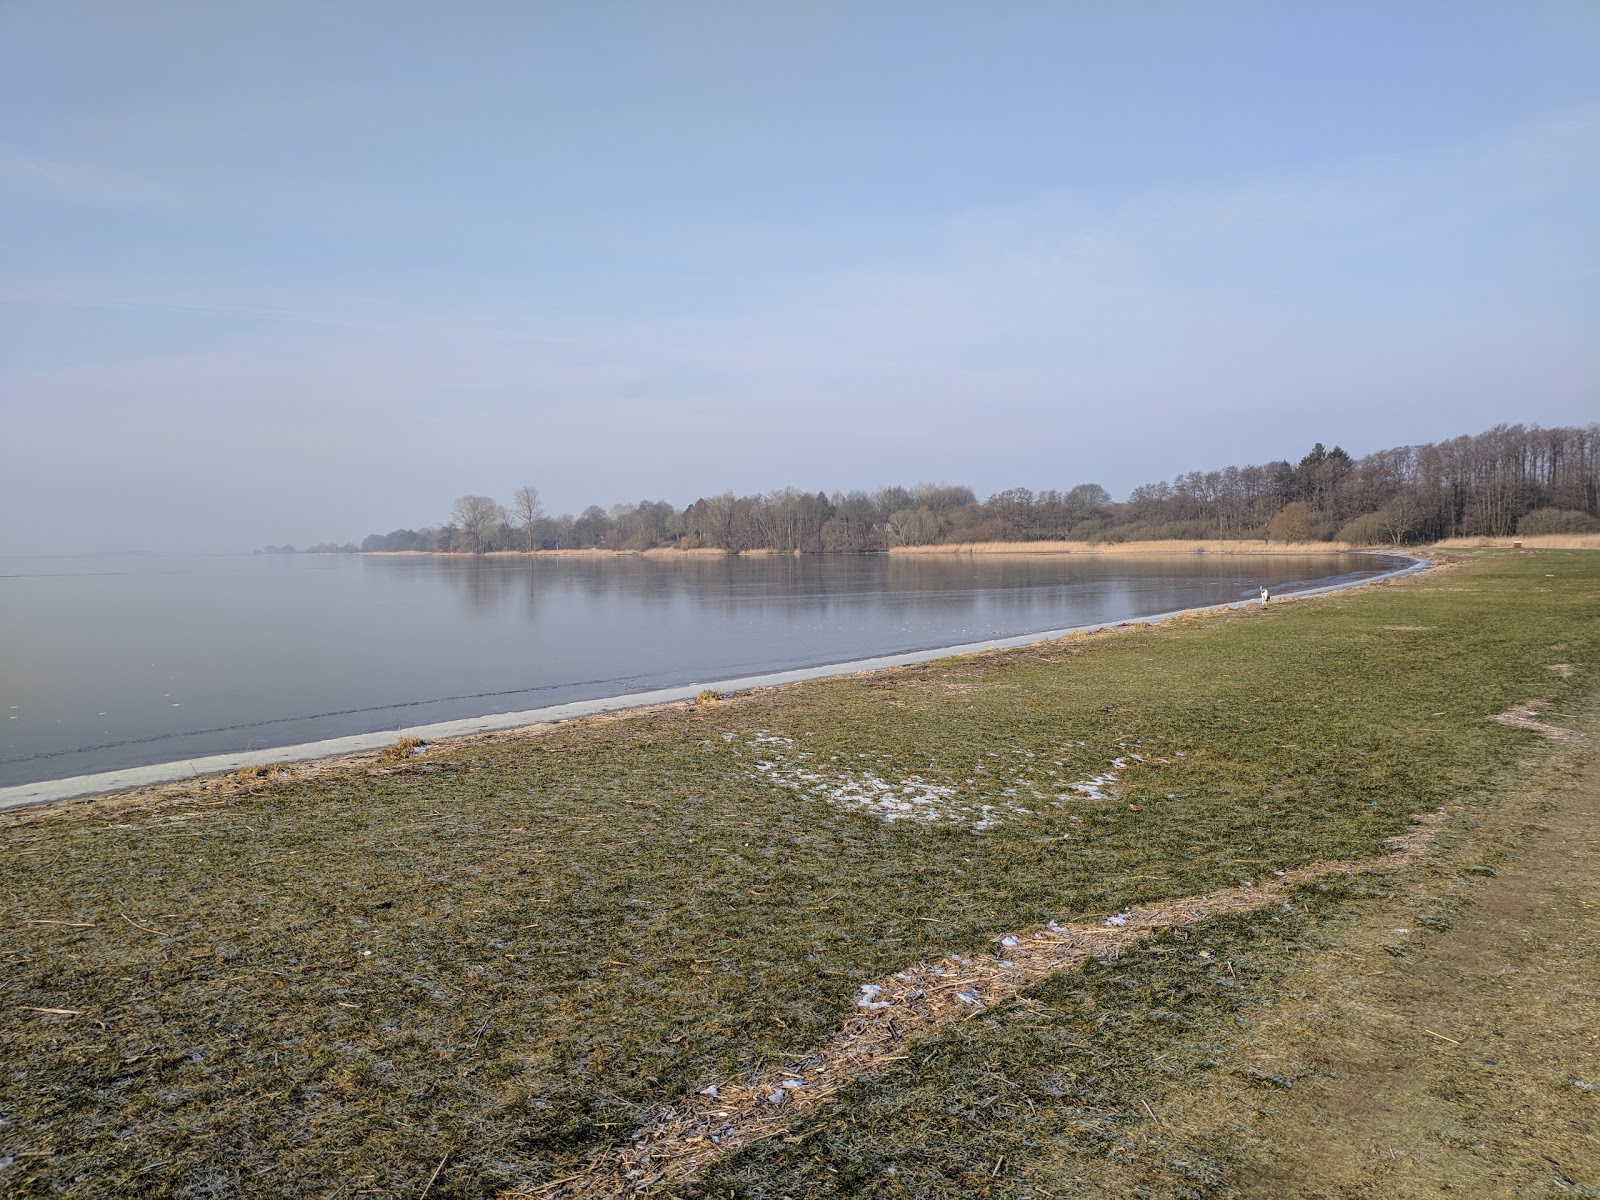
115,662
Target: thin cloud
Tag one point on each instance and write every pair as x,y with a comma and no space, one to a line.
81,185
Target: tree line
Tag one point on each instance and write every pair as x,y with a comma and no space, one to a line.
1510,479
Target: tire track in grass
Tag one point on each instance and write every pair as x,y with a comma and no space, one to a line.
909,1005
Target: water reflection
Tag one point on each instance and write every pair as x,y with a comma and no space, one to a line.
1019,589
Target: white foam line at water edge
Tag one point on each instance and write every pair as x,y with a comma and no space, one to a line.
78,786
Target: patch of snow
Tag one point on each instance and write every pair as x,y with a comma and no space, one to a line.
867,997
1096,787
867,790
875,790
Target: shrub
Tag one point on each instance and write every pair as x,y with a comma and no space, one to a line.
1293,524
1557,520
1369,529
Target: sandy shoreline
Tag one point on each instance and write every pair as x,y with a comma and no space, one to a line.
362,746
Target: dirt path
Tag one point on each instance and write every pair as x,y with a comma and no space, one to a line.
1471,1068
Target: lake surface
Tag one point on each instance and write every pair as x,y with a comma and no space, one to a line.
116,661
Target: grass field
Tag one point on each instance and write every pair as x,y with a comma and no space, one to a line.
478,970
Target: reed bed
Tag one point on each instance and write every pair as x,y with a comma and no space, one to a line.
1546,541
1163,546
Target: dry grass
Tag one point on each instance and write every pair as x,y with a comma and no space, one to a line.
1576,541
403,750
1549,541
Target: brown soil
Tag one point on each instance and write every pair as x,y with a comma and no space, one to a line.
1471,1068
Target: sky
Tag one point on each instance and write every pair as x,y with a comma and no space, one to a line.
296,272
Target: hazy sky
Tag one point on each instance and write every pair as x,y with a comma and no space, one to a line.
293,272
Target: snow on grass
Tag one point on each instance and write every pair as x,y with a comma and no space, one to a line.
872,789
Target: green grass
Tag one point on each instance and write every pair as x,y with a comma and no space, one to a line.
992,1106
506,955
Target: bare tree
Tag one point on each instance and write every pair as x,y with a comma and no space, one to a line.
477,517
913,527
1399,518
591,527
527,509
716,517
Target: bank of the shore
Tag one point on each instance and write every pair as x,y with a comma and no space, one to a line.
485,967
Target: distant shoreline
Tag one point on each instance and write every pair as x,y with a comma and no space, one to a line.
1220,546
1106,549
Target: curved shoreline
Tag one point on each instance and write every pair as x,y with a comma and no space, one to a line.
81,786
1221,547
1178,547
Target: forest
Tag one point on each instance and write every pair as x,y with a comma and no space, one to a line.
1512,479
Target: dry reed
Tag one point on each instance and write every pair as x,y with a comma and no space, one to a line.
1165,546
1545,541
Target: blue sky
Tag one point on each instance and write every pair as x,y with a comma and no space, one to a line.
291,272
